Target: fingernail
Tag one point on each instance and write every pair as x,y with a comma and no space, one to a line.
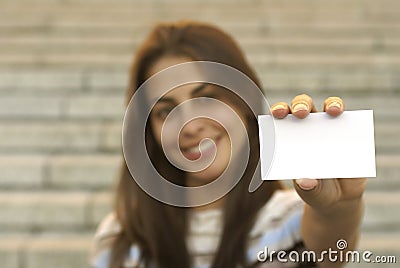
300,107
278,107
307,184
334,104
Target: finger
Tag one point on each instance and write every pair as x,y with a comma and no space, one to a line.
352,188
306,184
302,105
308,189
280,110
334,106
318,193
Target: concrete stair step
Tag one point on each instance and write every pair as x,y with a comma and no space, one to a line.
335,81
56,137
339,16
62,211
259,31
42,81
252,45
52,211
45,251
120,59
53,135
283,3
255,22
380,206
338,11
63,172
61,82
305,19
368,5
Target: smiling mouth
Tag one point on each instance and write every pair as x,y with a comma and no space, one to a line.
205,148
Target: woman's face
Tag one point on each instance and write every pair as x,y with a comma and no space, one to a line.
199,137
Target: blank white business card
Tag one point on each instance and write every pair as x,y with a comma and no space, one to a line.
318,146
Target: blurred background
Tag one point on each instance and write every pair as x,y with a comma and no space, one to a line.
63,73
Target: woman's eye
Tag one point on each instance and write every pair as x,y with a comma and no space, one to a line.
211,96
207,98
163,112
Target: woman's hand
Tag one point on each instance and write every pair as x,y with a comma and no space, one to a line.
326,193
335,206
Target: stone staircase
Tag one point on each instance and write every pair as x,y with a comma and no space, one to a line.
63,73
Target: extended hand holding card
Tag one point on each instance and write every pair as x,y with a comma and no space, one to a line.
320,146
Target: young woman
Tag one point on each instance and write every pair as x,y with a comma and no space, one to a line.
231,231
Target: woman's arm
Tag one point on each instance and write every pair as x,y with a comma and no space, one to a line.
334,206
326,221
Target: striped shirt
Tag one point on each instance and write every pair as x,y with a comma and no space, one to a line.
277,227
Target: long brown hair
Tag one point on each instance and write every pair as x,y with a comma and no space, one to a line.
159,229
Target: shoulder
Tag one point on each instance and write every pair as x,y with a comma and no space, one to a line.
278,228
283,205
106,232
278,222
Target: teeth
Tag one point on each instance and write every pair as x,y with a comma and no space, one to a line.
203,147
206,145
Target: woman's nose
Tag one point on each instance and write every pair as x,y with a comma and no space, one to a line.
193,127
190,117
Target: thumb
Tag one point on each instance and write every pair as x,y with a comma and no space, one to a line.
317,193
306,184
307,189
